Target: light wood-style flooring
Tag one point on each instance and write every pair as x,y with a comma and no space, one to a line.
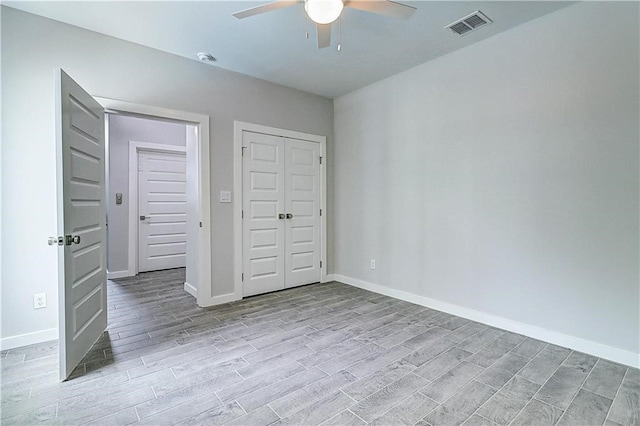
325,354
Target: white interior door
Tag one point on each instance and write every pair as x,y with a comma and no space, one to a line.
263,213
302,200
162,208
81,221
281,213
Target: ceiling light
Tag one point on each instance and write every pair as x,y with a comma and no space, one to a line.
323,11
206,57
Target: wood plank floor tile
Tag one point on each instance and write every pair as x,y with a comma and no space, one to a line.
269,393
345,418
326,354
262,416
461,405
626,406
372,383
383,400
605,378
319,411
298,399
407,412
217,415
451,382
538,413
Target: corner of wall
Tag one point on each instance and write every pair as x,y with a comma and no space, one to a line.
589,347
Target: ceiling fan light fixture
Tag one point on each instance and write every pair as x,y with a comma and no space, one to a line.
323,11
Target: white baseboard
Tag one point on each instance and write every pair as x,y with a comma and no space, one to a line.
191,289
587,346
119,274
330,277
28,339
219,300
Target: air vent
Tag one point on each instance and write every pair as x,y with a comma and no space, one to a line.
469,23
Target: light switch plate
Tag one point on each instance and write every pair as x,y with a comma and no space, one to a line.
225,196
118,197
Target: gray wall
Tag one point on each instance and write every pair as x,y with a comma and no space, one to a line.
31,48
122,130
503,177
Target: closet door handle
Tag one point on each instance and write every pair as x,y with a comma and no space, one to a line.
289,216
281,216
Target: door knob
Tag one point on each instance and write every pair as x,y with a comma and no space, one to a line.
289,216
72,239
143,217
281,216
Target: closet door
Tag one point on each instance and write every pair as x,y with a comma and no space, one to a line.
263,203
302,200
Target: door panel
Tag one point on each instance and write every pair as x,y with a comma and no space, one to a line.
263,201
162,200
280,176
81,213
302,188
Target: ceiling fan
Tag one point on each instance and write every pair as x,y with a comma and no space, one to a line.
324,12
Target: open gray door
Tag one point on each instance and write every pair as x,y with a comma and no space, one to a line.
81,221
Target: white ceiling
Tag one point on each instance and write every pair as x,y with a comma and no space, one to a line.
273,46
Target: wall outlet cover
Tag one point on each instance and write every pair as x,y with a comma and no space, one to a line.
39,300
373,264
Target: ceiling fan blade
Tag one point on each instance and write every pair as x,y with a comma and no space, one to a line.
279,4
324,35
382,7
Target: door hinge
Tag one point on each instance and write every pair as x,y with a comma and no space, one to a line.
243,148
200,224
320,212
320,160
243,277
242,214
321,263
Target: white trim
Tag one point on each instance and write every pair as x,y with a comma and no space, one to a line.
323,207
201,121
274,131
135,148
118,274
191,289
330,277
224,298
28,339
240,127
576,343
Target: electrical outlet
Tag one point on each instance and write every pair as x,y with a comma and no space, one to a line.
39,300
373,264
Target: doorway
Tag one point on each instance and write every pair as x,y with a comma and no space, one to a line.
147,195
195,131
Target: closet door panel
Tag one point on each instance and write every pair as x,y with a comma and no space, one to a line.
302,200
263,202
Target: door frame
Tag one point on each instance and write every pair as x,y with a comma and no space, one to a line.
201,122
135,148
239,128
